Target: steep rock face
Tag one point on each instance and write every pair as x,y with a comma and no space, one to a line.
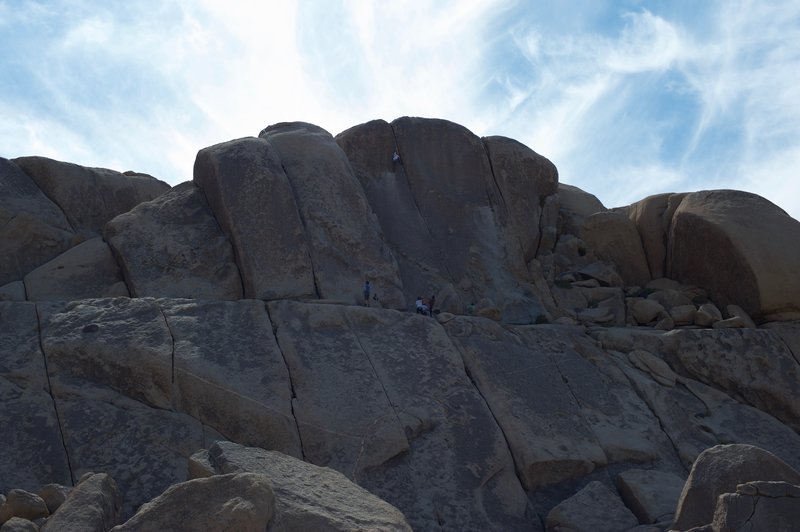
345,242
90,197
382,396
740,247
614,238
173,246
33,229
253,202
653,216
444,215
526,180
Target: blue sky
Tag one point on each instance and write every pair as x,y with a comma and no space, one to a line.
627,98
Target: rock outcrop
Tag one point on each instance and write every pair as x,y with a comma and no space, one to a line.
577,364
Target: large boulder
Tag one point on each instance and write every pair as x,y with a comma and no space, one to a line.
344,236
243,502
741,248
173,246
719,470
94,504
84,271
759,505
307,497
252,200
90,197
33,229
525,180
613,237
650,494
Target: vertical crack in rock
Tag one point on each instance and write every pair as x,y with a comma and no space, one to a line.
566,382
383,387
494,177
291,381
52,397
477,388
207,205
172,356
655,414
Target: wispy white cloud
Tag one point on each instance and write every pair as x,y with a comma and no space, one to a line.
625,101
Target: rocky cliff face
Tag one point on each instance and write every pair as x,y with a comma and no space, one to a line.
210,342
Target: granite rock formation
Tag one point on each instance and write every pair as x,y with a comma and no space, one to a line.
202,355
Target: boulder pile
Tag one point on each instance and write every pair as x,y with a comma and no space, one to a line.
202,356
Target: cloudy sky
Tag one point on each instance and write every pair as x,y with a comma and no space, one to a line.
628,98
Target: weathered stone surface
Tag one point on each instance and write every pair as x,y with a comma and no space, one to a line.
652,217
364,397
253,201
13,291
344,417
683,314
595,508
90,197
84,271
735,311
173,246
740,247
524,179
739,513
54,495
580,202
751,365
240,501
613,237
307,497
650,494
344,236
230,373
670,298
24,504
145,449
121,343
654,366
718,470
33,229
29,431
94,504
789,332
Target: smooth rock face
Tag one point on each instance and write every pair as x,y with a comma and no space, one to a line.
84,271
525,179
740,247
751,365
173,246
343,234
121,343
33,229
241,501
90,197
397,413
595,508
307,497
614,238
20,503
94,504
653,216
252,199
230,373
718,470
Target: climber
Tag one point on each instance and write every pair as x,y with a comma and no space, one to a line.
396,156
367,289
422,308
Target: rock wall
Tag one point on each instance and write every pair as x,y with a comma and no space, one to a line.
559,372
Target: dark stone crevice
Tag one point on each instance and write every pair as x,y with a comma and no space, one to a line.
52,396
274,328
